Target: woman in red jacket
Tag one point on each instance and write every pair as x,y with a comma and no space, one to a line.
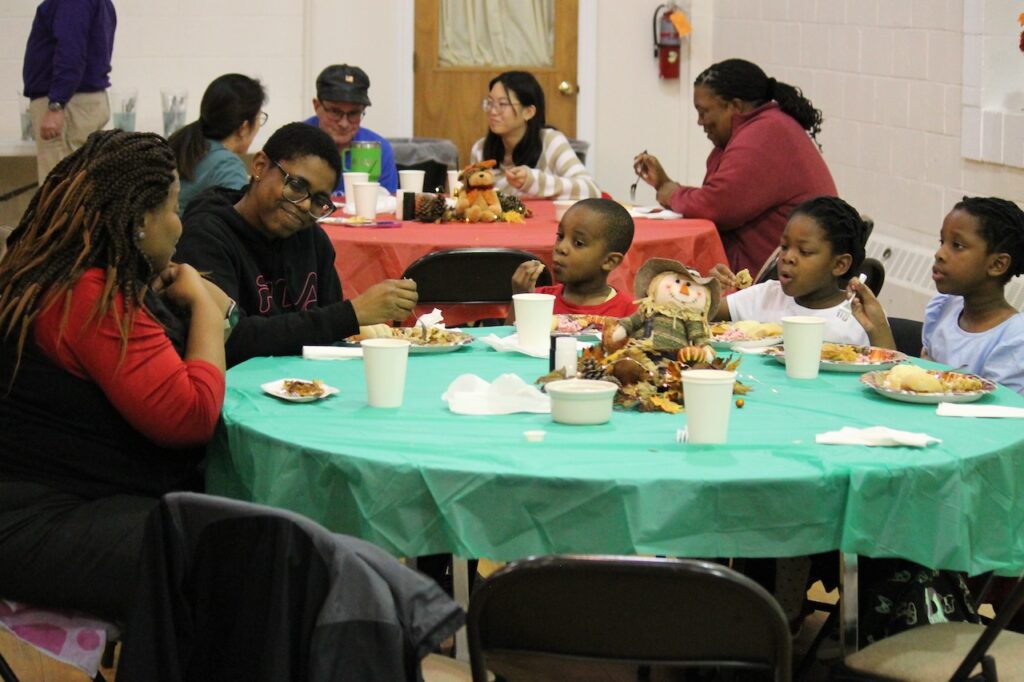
765,161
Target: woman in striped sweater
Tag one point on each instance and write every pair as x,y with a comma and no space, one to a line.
533,159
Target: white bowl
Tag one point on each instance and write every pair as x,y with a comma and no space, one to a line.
562,206
581,401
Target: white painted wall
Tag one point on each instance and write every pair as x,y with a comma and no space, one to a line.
888,76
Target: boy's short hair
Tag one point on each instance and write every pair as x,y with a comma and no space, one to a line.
1001,225
294,140
615,221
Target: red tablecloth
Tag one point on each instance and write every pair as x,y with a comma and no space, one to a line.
367,255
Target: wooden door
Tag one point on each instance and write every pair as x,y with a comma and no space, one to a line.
447,98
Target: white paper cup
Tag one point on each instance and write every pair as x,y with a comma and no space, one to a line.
453,182
708,397
801,337
533,319
365,197
411,180
384,361
351,178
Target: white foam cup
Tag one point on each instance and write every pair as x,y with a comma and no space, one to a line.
351,178
365,194
533,319
707,394
801,337
384,362
411,180
453,182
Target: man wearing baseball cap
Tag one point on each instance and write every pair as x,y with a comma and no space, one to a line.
340,104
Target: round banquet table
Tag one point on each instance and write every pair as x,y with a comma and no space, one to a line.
419,479
367,255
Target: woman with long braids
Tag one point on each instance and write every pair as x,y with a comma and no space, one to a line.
106,403
209,150
764,163
106,399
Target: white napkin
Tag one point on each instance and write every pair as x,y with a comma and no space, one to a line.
962,410
875,435
469,394
432,319
510,344
331,352
654,213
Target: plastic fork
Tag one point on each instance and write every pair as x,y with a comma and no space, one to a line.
632,188
845,308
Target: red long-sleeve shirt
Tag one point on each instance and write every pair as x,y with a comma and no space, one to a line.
769,166
174,403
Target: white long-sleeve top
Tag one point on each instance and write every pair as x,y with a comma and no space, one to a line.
558,174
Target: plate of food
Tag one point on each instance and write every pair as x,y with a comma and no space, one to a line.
845,357
580,325
913,384
299,390
423,340
745,334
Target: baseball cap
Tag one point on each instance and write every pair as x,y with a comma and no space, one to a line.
343,83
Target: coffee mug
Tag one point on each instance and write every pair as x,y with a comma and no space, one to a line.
363,157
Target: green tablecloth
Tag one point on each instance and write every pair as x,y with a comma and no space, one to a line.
418,479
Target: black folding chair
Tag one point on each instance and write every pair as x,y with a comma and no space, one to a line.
576,617
907,334
472,275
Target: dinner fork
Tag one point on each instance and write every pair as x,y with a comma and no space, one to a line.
845,308
632,188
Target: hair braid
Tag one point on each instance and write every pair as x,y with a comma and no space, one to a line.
1001,225
84,215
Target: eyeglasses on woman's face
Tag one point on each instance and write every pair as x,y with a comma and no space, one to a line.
296,190
499,105
335,114
263,118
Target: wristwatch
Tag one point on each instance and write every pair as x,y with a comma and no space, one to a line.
55,106
231,317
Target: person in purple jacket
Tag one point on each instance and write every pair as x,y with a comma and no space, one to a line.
66,74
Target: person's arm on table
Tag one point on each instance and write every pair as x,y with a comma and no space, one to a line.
559,174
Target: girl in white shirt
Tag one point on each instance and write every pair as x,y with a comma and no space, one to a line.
822,246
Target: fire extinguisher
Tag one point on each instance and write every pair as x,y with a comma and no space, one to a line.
666,41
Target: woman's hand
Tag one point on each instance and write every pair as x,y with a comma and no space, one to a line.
524,279
650,170
869,312
517,176
182,284
726,277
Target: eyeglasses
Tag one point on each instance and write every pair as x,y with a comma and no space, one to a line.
501,105
354,116
263,118
296,190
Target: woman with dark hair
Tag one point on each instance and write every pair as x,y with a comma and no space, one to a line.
209,150
532,159
262,245
764,163
107,400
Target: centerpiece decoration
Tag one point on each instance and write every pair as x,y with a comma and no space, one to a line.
475,202
646,353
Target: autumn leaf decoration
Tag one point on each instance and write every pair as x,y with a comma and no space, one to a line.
1020,20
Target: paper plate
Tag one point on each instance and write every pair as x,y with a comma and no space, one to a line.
276,389
884,359
874,380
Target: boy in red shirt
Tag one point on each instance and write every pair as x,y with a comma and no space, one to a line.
592,239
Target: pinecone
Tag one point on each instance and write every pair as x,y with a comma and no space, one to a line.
588,368
430,208
512,203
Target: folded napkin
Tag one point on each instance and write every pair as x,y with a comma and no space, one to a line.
469,394
510,344
875,435
654,213
962,410
432,319
331,352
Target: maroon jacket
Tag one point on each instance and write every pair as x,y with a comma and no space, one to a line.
769,166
